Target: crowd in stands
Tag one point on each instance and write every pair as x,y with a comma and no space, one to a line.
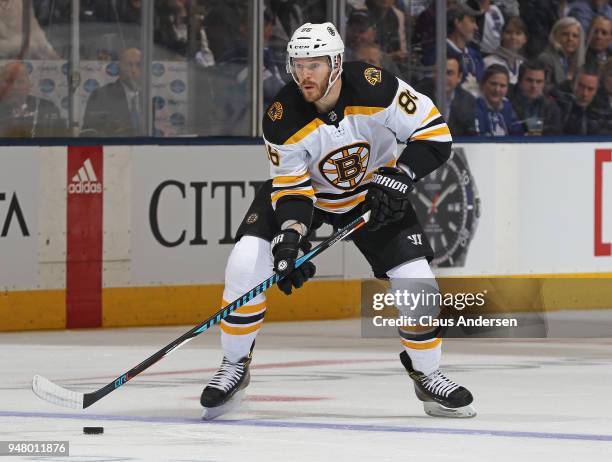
514,67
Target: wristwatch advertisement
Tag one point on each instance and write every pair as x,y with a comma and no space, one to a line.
448,207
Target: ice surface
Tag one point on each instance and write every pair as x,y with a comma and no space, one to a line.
318,392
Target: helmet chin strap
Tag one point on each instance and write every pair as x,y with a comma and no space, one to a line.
330,82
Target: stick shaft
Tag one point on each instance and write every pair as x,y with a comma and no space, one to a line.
90,398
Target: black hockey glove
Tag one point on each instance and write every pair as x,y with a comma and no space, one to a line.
387,197
285,248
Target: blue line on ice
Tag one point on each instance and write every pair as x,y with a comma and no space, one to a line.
315,426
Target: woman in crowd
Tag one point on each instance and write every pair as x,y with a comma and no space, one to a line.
509,54
599,40
495,115
565,52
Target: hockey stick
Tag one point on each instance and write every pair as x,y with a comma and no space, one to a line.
57,394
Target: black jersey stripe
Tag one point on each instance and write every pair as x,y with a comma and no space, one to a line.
231,319
303,184
331,196
436,121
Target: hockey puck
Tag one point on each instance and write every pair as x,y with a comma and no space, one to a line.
93,430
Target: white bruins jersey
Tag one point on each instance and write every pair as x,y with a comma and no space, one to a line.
330,158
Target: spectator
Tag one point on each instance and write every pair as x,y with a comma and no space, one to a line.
390,28
604,95
490,22
599,40
174,25
272,77
565,52
461,27
234,64
460,106
495,115
539,114
11,34
223,27
425,31
115,108
361,35
23,115
539,16
583,114
372,54
585,10
128,11
509,8
514,38
288,16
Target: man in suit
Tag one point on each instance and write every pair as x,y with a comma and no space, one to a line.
460,106
115,108
23,115
538,112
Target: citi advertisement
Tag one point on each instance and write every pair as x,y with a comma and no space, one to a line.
186,207
19,203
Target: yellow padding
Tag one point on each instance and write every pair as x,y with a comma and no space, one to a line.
421,346
34,309
171,305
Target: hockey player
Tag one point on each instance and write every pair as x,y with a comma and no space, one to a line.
331,138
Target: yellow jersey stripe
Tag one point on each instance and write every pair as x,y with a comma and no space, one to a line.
362,110
296,192
246,309
432,133
305,131
433,113
422,346
281,180
235,330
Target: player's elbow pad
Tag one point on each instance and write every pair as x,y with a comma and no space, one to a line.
423,157
296,208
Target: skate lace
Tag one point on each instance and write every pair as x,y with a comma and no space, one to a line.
228,375
439,384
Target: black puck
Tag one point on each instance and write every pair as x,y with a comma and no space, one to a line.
93,430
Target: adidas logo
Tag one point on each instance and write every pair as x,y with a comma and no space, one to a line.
85,181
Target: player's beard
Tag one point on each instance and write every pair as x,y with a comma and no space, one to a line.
314,93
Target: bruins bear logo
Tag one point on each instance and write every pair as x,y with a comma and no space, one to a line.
344,168
373,75
276,111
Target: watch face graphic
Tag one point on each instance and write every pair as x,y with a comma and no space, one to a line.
445,202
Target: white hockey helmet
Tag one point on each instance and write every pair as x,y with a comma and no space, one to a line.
314,40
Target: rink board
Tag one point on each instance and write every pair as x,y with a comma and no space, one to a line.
168,216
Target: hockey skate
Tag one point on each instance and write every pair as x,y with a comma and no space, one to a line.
441,396
225,391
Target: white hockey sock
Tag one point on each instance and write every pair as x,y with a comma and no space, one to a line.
421,343
249,263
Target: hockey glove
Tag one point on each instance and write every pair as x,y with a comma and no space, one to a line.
285,248
387,197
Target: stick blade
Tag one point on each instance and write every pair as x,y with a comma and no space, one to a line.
53,393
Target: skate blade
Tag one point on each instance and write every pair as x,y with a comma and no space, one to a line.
437,410
233,404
